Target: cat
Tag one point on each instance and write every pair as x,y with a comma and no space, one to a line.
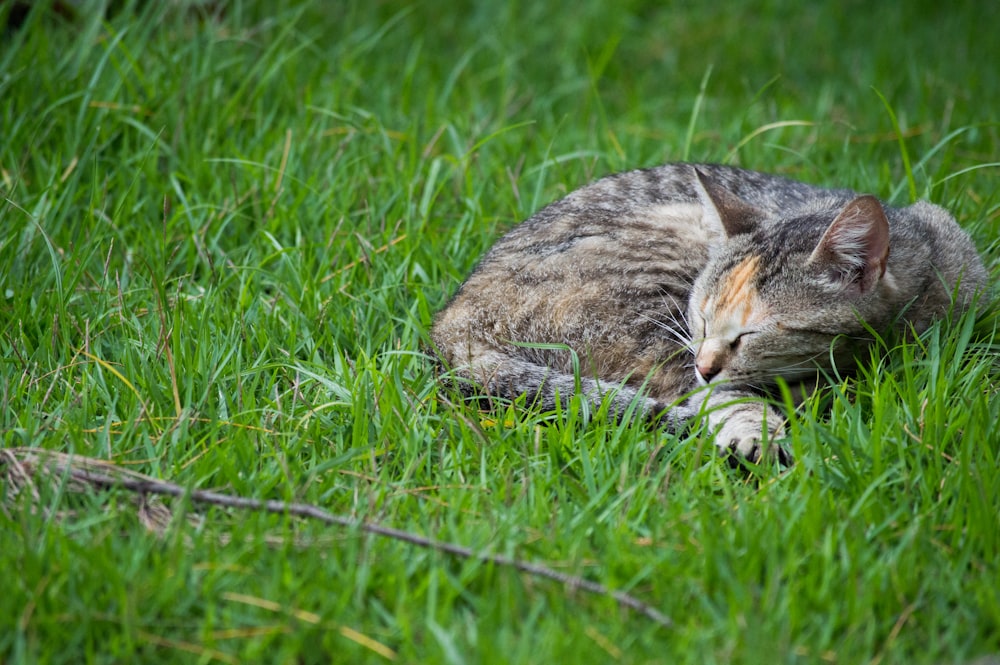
682,290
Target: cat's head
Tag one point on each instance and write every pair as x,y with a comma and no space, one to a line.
778,292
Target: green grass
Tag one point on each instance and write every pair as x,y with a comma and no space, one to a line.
222,242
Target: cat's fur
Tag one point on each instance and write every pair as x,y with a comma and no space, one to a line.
667,279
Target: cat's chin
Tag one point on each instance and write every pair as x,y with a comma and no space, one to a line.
721,377
725,378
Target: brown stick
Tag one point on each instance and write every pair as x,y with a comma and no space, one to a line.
91,472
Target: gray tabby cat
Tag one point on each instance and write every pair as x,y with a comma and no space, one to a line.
665,280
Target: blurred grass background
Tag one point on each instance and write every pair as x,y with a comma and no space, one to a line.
225,229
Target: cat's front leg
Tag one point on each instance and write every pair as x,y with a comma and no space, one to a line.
744,425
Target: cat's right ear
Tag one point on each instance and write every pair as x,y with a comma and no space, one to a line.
723,210
854,250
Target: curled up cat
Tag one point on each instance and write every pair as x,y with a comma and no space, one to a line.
685,291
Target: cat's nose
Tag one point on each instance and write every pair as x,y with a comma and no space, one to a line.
707,371
710,360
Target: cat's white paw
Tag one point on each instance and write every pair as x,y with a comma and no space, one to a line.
744,437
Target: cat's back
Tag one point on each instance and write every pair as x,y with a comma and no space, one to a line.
626,233
933,262
673,184
644,215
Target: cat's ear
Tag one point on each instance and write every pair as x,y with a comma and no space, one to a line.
723,210
854,249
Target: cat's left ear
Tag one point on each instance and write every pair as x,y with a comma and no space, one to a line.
854,249
723,210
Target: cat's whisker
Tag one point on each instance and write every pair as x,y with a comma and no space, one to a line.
678,309
684,340
789,372
666,294
679,326
769,366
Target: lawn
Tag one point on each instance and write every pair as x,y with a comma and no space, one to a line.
225,230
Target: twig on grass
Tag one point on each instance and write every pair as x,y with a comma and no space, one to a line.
20,464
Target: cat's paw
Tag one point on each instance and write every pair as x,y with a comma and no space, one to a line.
742,440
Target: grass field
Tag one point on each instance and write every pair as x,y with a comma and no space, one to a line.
222,242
